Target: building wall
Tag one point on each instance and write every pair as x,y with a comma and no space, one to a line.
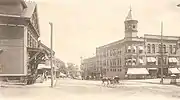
11,7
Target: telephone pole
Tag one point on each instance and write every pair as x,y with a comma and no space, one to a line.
51,58
161,51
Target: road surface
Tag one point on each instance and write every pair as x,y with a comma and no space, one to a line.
67,89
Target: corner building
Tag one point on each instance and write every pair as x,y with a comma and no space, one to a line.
138,57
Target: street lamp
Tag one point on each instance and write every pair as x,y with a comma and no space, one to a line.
161,53
51,62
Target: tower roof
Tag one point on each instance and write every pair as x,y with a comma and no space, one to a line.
129,16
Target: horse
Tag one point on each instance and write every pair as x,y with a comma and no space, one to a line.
105,79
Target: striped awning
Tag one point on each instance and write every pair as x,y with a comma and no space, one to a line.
152,68
137,71
43,66
151,59
141,48
173,60
129,47
174,70
141,61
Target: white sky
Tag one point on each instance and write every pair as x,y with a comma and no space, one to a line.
82,25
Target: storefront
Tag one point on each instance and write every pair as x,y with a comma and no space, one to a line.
137,73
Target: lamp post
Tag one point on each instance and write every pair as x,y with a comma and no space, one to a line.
51,62
161,53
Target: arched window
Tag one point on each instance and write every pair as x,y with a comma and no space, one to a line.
174,49
153,48
159,48
170,49
164,48
149,48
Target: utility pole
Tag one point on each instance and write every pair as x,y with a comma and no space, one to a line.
51,58
161,53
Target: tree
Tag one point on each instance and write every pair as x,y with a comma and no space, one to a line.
60,65
72,69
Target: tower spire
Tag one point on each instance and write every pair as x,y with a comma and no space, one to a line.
129,16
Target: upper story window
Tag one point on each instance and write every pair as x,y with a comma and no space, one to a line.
110,52
153,48
129,49
170,49
164,48
107,62
134,26
174,49
148,48
117,61
159,46
134,49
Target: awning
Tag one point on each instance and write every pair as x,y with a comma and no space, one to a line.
151,59
152,68
170,60
173,60
134,60
174,70
141,61
41,66
61,74
129,47
137,71
141,48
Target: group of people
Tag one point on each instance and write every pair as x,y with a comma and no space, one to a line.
110,80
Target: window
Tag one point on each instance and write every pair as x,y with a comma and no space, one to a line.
153,48
134,49
149,48
104,62
134,26
164,48
129,49
107,70
174,49
111,70
107,62
110,52
159,48
117,61
120,61
115,70
170,49
114,62
110,62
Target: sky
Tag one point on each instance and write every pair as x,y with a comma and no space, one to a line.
82,25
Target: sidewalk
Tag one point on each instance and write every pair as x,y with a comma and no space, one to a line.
157,81
35,85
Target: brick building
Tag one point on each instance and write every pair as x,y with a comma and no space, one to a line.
138,57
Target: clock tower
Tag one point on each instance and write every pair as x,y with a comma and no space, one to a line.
130,26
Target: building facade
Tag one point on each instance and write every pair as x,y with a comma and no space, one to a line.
138,57
89,69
